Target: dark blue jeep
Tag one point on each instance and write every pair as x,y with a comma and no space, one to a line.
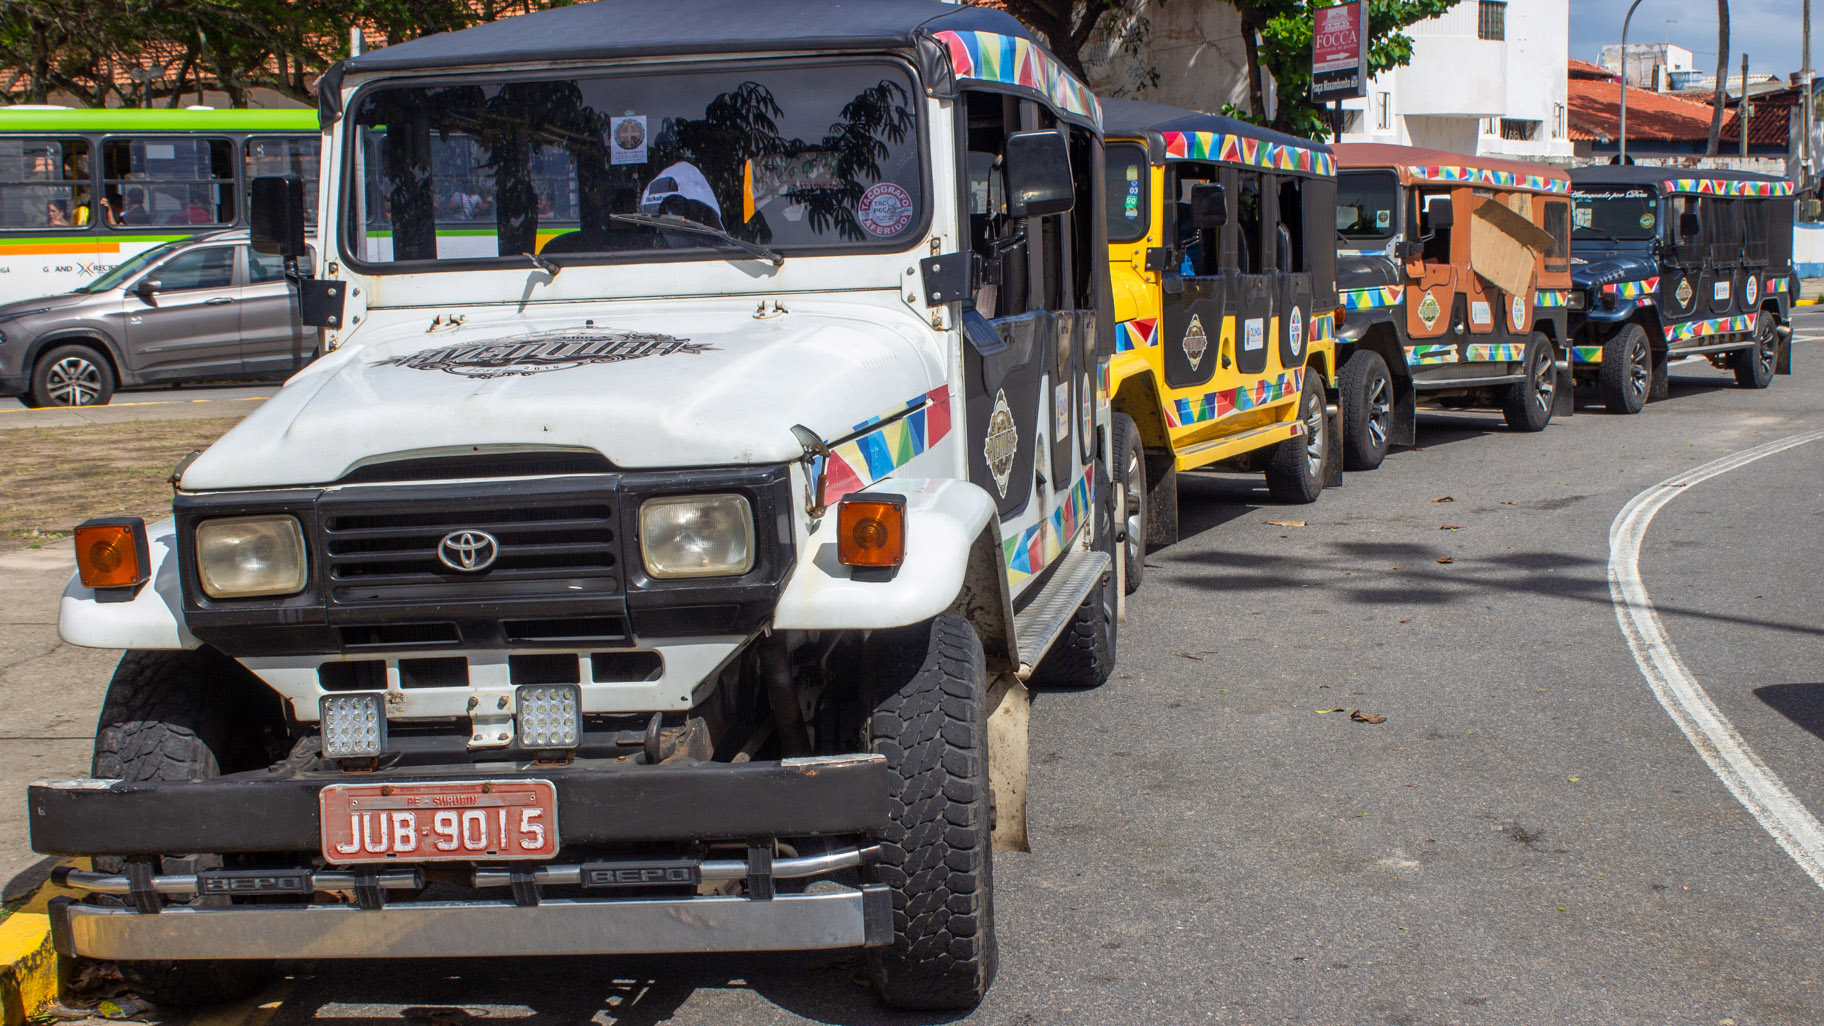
1670,263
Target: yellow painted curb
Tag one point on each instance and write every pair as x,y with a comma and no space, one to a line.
28,967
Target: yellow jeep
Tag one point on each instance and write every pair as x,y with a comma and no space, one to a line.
1222,254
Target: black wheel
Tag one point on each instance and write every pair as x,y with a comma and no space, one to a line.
1527,405
1130,463
1367,394
72,376
1296,473
178,716
1754,367
930,719
1626,375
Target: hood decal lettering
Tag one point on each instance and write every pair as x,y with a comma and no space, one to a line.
538,352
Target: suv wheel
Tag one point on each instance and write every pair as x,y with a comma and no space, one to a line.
1296,474
930,719
1527,405
1367,396
1754,367
72,376
1626,375
168,716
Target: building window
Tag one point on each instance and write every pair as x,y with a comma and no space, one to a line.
1383,113
1352,120
1516,130
1491,19
1557,120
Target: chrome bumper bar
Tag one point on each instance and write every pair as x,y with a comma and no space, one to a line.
843,917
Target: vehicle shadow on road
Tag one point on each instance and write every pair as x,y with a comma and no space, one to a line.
826,987
1803,704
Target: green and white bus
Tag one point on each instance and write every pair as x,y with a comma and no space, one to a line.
84,190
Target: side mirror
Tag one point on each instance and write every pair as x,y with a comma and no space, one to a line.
1688,227
1440,217
148,289
1209,206
276,215
1039,181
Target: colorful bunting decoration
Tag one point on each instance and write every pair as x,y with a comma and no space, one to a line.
1485,176
1012,60
1724,187
1238,149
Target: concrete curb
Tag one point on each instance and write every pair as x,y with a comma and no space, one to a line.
28,967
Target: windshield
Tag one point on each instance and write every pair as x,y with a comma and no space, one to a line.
1622,216
1367,204
805,156
118,276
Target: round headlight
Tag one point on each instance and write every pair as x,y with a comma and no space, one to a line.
245,557
697,536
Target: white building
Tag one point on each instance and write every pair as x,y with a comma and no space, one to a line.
1652,65
1487,77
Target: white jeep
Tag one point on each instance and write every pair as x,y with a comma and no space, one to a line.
711,433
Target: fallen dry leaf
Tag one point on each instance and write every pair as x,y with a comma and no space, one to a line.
1187,655
1450,527
1446,559
1287,523
1443,498
1361,717
1509,502
1407,620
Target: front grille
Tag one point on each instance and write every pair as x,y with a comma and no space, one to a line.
385,550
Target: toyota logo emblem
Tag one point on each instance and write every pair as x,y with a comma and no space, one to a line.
468,551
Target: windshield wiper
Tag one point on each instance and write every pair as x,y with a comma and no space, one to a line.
1599,231
544,264
685,224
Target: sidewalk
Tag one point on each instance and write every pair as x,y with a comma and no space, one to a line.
132,410
1811,291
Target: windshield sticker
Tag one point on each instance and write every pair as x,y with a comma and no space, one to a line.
1479,314
1582,216
1383,219
539,352
1428,310
1647,220
1196,343
629,139
1002,443
885,209
1684,292
1060,411
1517,313
1750,291
1720,292
1295,331
1256,336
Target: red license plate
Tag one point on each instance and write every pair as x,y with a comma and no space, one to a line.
494,819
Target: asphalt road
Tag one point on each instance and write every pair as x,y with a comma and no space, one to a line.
1527,838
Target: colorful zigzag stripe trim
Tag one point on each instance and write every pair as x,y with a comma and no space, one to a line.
1494,352
1714,326
1041,543
1724,187
1323,327
859,462
1239,149
1136,334
1585,354
1777,285
1485,176
1549,299
1424,356
1371,299
1217,405
1011,60
1641,290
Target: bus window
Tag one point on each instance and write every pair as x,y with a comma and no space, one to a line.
169,181
1290,251
1126,188
1558,224
286,155
1249,224
44,183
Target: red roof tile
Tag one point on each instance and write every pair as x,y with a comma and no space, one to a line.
1595,108
1769,122
1586,70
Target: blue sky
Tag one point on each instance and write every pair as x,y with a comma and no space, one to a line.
1767,29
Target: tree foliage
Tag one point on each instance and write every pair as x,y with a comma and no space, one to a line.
145,52
1067,25
1277,36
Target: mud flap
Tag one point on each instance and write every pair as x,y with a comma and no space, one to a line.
1009,715
1661,387
1161,499
1564,403
1404,426
1782,364
1333,453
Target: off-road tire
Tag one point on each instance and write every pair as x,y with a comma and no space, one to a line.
1129,461
166,717
1527,405
71,376
1366,390
930,719
1626,375
1754,367
1295,475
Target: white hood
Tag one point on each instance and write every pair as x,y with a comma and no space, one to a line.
686,386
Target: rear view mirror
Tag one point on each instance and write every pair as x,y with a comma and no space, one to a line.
148,288
1039,181
1440,217
276,215
1688,227
1209,206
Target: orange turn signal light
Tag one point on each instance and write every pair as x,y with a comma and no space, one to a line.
871,530
111,553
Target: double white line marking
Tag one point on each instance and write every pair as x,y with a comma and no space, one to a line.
1756,786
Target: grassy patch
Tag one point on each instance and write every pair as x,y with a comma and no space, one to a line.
55,478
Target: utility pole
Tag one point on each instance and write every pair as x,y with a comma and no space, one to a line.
1623,158
1742,110
1805,84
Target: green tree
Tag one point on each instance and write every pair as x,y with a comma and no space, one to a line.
1067,25
1277,36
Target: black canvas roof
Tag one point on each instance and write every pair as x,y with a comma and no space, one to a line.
608,29
1639,174
1137,117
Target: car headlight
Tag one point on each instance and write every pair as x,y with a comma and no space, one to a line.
244,557
697,536
1578,300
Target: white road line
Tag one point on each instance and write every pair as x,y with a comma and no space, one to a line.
1684,699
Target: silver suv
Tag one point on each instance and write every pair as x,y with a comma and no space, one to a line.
202,308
